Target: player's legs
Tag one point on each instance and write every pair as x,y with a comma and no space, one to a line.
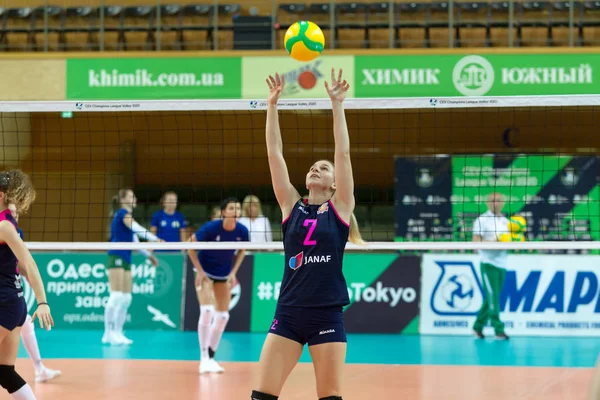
222,297
484,312
10,380
496,281
328,360
207,313
123,307
115,281
42,373
278,358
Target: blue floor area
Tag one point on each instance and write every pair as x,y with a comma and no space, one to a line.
362,348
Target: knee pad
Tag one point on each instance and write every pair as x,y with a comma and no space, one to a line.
125,300
256,395
332,398
221,317
9,379
114,299
206,314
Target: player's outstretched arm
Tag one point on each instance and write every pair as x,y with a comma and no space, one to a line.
344,179
285,192
139,230
9,235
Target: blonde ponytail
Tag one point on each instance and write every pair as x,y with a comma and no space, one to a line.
354,235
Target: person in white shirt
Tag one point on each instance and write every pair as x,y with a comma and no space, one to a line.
491,226
252,218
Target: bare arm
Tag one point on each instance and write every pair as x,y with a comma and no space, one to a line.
27,265
285,192
344,180
193,254
477,238
237,262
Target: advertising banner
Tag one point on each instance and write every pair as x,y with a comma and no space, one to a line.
154,78
33,80
302,80
543,295
77,290
423,189
384,297
558,195
241,296
476,75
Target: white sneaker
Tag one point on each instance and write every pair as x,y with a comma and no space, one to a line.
122,339
108,337
210,366
46,374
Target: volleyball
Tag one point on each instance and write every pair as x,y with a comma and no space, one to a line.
516,224
304,41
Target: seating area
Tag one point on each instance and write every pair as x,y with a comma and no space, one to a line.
181,25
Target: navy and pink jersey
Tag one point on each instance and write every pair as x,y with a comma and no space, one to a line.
10,281
314,239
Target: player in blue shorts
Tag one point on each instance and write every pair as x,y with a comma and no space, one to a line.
215,276
168,223
42,373
122,229
315,232
15,259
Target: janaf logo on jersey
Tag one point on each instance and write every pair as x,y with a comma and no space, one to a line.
299,260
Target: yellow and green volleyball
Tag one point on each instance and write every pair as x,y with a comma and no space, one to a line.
304,41
517,224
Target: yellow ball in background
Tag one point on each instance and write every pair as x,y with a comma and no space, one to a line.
517,224
304,41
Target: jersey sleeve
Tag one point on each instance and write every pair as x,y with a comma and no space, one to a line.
202,234
477,227
245,233
155,220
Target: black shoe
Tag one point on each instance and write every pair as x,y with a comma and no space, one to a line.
501,336
479,334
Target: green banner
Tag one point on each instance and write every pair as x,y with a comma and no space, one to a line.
268,272
558,195
154,78
474,75
302,80
77,290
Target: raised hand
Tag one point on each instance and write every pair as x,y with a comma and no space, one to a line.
338,89
275,88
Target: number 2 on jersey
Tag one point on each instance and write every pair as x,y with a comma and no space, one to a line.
313,226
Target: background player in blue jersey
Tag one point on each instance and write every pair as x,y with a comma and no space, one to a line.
42,373
122,229
315,232
168,223
16,188
215,276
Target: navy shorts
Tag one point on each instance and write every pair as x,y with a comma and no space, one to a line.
13,313
309,325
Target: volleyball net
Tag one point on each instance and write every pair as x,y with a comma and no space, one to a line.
423,168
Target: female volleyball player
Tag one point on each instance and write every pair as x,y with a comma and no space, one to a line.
42,373
168,223
16,188
215,276
123,229
315,232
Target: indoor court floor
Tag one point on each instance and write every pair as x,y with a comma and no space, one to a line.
164,365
